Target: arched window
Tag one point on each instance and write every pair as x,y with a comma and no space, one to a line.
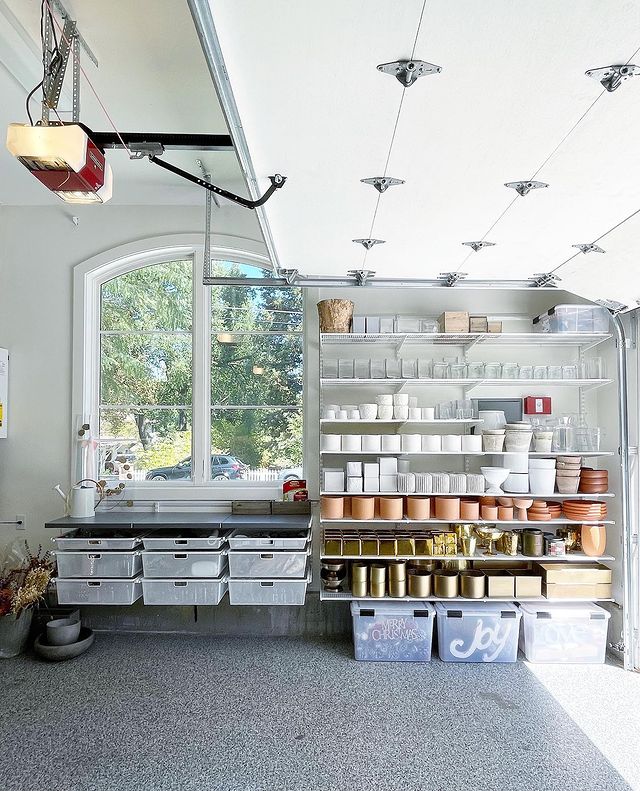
185,384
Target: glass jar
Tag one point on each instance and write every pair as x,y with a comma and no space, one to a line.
539,371
458,371
554,371
492,371
475,370
525,372
440,370
509,370
569,371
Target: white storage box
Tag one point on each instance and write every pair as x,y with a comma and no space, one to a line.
392,631
270,592
211,539
76,541
259,565
564,632
98,564
91,591
183,564
268,540
478,631
180,591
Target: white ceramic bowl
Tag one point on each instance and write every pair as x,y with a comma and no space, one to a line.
495,476
517,482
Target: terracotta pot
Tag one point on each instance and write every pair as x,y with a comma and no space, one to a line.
448,508
505,513
391,508
363,507
469,509
331,507
593,539
489,512
487,501
418,507
335,315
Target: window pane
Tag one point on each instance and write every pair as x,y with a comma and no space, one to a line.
257,370
146,369
266,442
155,297
139,443
253,307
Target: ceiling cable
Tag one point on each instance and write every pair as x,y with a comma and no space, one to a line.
545,162
395,130
84,74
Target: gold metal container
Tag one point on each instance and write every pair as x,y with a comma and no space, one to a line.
359,572
469,546
397,588
428,565
387,546
453,565
378,573
424,545
332,546
508,544
397,570
359,589
351,544
377,590
472,584
445,584
419,580
369,544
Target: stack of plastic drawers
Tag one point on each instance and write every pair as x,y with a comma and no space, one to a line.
189,569
98,568
268,567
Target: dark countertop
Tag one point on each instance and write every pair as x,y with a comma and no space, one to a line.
167,520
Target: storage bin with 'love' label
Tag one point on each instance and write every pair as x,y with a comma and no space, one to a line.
481,632
392,631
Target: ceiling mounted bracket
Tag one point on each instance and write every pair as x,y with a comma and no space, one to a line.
589,248
524,187
361,276
290,275
612,77
142,150
277,182
611,305
368,243
544,279
408,71
476,246
451,278
382,183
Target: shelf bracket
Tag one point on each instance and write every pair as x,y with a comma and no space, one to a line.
361,275
472,343
451,278
611,305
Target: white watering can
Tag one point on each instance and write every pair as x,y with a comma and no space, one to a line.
80,502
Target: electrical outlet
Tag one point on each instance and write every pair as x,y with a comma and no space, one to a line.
21,519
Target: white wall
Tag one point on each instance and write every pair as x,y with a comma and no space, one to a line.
39,246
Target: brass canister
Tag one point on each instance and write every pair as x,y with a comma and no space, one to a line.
397,588
359,588
359,572
378,573
454,565
397,570
427,565
351,544
406,545
472,584
445,584
462,530
377,590
369,544
419,582
387,545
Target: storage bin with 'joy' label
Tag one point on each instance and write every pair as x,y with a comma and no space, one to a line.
478,632
392,631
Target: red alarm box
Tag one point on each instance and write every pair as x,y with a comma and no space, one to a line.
537,405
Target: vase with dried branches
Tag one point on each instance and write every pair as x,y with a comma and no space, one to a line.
24,578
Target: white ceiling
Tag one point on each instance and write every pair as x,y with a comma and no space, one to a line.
152,76
315,108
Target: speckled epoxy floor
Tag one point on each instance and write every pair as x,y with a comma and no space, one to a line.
165,712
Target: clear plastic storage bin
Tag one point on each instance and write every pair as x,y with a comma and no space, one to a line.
98,564
573,318
207,539
268,592
567,633
183,564
78,540
180,591
392,631
478,632
259,565
91,591
239,539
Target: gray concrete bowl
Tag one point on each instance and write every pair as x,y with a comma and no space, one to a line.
62,631
59,653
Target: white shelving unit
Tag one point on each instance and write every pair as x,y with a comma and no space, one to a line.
411,345
343,596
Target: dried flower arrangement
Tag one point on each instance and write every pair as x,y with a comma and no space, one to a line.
24,578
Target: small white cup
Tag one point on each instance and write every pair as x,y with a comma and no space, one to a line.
401,399
400,412
431,443
329,414
341,414
385,412
415,413
471,443
413,402
451,443
384,400
428,413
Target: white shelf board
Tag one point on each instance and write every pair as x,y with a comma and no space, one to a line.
591,384
342,596
572,557
533,454
580,339
406,521
438,422
516,495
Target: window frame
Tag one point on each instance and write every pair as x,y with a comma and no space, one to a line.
88,280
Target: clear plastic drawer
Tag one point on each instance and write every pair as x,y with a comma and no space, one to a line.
269,592
98,564
92,591
259,565
182,592
183,564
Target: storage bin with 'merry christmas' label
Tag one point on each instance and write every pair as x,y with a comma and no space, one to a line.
392,631
478,632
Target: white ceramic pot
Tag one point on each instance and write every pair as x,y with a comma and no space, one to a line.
353,414
472,443
385,412
330,442
400,412
451,443
492,419
415,413
431,443
428,413
371,443
391,443
517,441
492,443
542,481
352,442
516,462
542,441
368,411
411,443
517,483
542,464
401,399
384,400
